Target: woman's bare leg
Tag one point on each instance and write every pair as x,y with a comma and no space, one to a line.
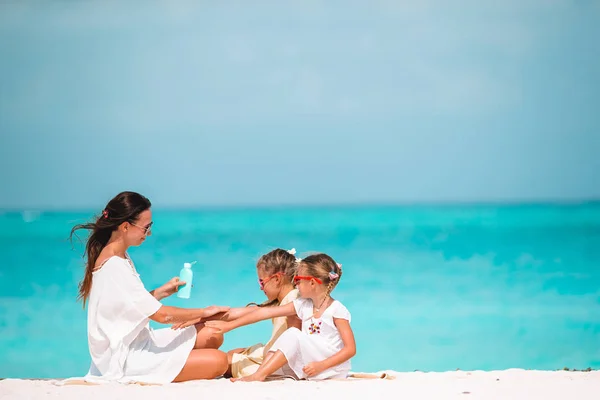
203,364
207,338
269,365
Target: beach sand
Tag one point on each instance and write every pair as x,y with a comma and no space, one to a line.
511,384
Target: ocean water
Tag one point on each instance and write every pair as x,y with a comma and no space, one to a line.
430,288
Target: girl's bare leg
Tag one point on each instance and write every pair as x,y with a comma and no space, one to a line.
268,356
269,365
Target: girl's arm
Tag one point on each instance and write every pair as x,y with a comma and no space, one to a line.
346,353
294,322
170,315
236,313
257,315
230,315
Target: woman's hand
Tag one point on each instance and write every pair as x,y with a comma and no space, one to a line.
208,312
168,288
213,310
185,324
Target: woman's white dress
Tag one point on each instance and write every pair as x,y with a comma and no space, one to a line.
318,340
122,345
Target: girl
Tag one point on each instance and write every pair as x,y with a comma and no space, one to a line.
122,345
325,345
275,272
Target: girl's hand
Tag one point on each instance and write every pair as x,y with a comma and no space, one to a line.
313,368
171,287
185,324
219,326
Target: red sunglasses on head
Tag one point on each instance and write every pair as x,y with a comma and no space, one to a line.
299,278
263,282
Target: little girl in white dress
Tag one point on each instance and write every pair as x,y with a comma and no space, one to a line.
324,347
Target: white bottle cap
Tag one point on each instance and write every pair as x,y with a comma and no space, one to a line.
187,265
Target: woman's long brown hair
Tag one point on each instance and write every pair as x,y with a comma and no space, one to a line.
124,207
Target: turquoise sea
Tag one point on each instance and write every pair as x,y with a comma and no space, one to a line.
430,288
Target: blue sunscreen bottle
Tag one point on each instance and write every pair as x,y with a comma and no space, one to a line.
186,275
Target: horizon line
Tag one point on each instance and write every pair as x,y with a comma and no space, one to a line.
385,204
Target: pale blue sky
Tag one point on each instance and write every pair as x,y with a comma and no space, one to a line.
232,103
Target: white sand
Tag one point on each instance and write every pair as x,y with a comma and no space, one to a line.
510,384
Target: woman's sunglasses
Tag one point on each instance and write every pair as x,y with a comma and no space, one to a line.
146,229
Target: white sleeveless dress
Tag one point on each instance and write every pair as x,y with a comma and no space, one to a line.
122,345
318,340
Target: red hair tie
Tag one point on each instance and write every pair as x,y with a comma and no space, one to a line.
105,214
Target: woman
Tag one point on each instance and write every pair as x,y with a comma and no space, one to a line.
122,345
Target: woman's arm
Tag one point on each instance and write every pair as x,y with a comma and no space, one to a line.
167,289
257,315
346,353
157,294
171,315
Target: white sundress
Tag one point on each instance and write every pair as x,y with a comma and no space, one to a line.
318,340
122,345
